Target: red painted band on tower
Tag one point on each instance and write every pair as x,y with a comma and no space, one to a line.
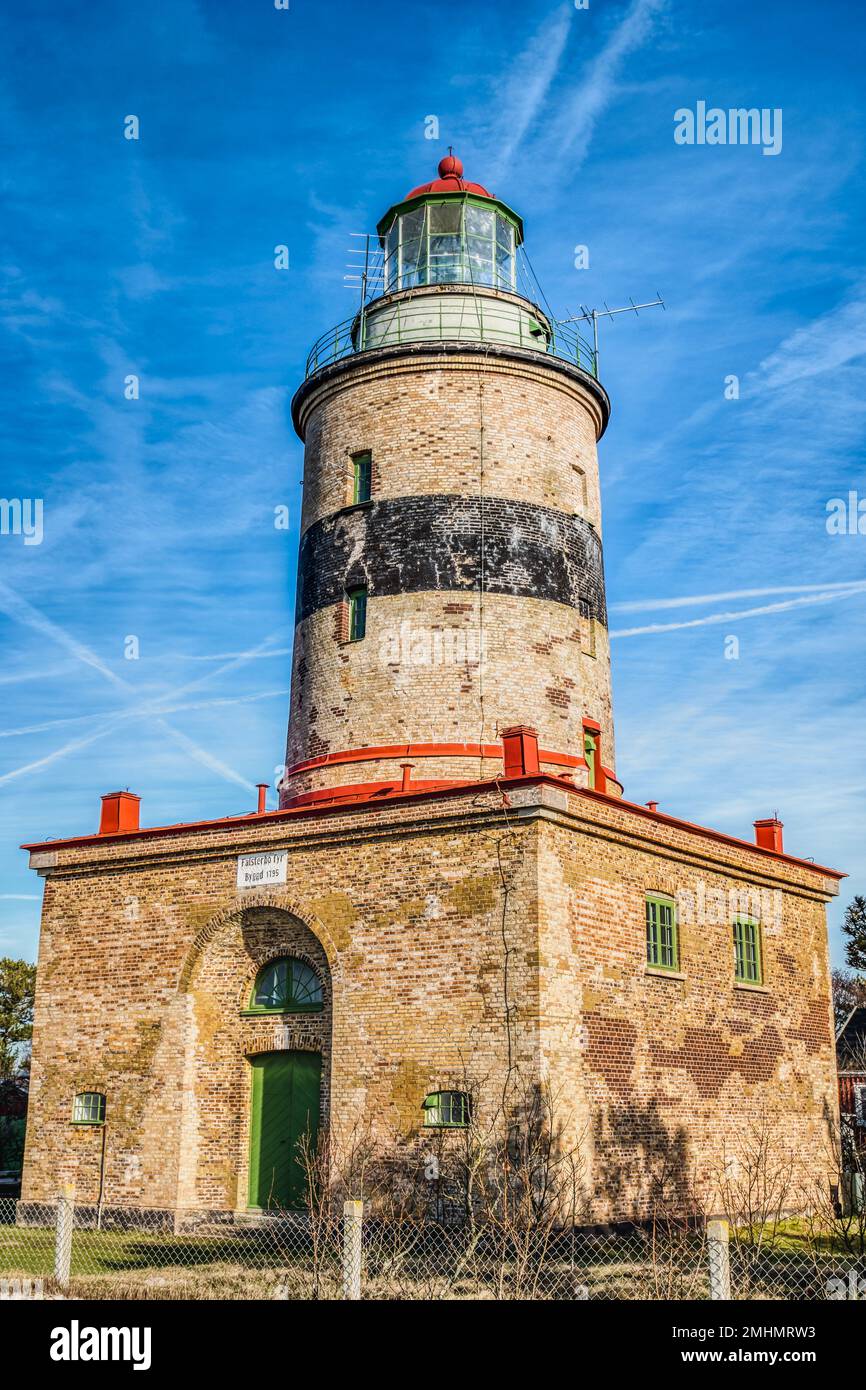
424,750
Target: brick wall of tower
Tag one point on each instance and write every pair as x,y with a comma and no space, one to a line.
518,432
420,673
148,953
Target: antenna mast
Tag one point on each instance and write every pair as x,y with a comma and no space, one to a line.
593,315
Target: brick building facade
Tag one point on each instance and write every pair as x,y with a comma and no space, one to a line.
454,889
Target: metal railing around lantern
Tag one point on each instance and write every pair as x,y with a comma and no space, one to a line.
413,321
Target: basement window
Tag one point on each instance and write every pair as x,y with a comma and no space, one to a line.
748,966
88,1108
662,946
447,1110
287,986
362,477
356,600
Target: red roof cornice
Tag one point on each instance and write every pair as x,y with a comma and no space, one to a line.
371,801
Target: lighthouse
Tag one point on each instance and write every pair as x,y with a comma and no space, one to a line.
451,577
455,906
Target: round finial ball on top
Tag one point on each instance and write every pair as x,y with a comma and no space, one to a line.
451,167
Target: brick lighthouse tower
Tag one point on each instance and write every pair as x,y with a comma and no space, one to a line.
454,904
450,584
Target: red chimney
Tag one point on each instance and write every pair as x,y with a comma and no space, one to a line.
119,813
768,834
406,784
520,751
263,797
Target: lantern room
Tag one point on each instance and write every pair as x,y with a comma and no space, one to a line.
450,232
447,264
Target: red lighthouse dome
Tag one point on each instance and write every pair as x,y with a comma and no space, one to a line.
450,180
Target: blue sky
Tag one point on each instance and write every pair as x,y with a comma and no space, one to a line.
260,127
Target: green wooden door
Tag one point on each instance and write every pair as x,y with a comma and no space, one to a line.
285,1107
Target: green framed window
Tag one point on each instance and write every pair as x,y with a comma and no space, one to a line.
362,477
286,986
357,601
748,966
88,1108
447,1110
662,945
590,750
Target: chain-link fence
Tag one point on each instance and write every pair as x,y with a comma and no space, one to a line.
58,1250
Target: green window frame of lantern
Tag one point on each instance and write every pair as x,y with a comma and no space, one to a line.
286,985
451,241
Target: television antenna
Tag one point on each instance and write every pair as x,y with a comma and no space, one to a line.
367,271
593,315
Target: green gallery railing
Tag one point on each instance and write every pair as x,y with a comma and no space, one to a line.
410,322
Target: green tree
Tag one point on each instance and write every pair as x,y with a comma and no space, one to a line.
17,988
854,928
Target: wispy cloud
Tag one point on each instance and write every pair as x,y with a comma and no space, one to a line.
732,616
24,612
544,105
573,129
688,601
831,341
524,89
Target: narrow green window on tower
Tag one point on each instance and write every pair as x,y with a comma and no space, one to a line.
590,749
662,946
748,968
362,477
357,601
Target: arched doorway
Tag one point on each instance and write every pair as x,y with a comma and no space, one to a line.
260,987
284,1125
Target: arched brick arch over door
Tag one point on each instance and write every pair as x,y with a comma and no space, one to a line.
223,1037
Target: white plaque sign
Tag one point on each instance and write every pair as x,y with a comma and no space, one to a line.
261,870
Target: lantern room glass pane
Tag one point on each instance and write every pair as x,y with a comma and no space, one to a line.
392,250
445,260
504,253
479,245
479,221
413,249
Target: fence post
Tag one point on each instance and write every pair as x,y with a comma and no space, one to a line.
63,1233
353,1220
718,1250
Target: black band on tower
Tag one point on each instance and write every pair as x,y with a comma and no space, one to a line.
433,542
